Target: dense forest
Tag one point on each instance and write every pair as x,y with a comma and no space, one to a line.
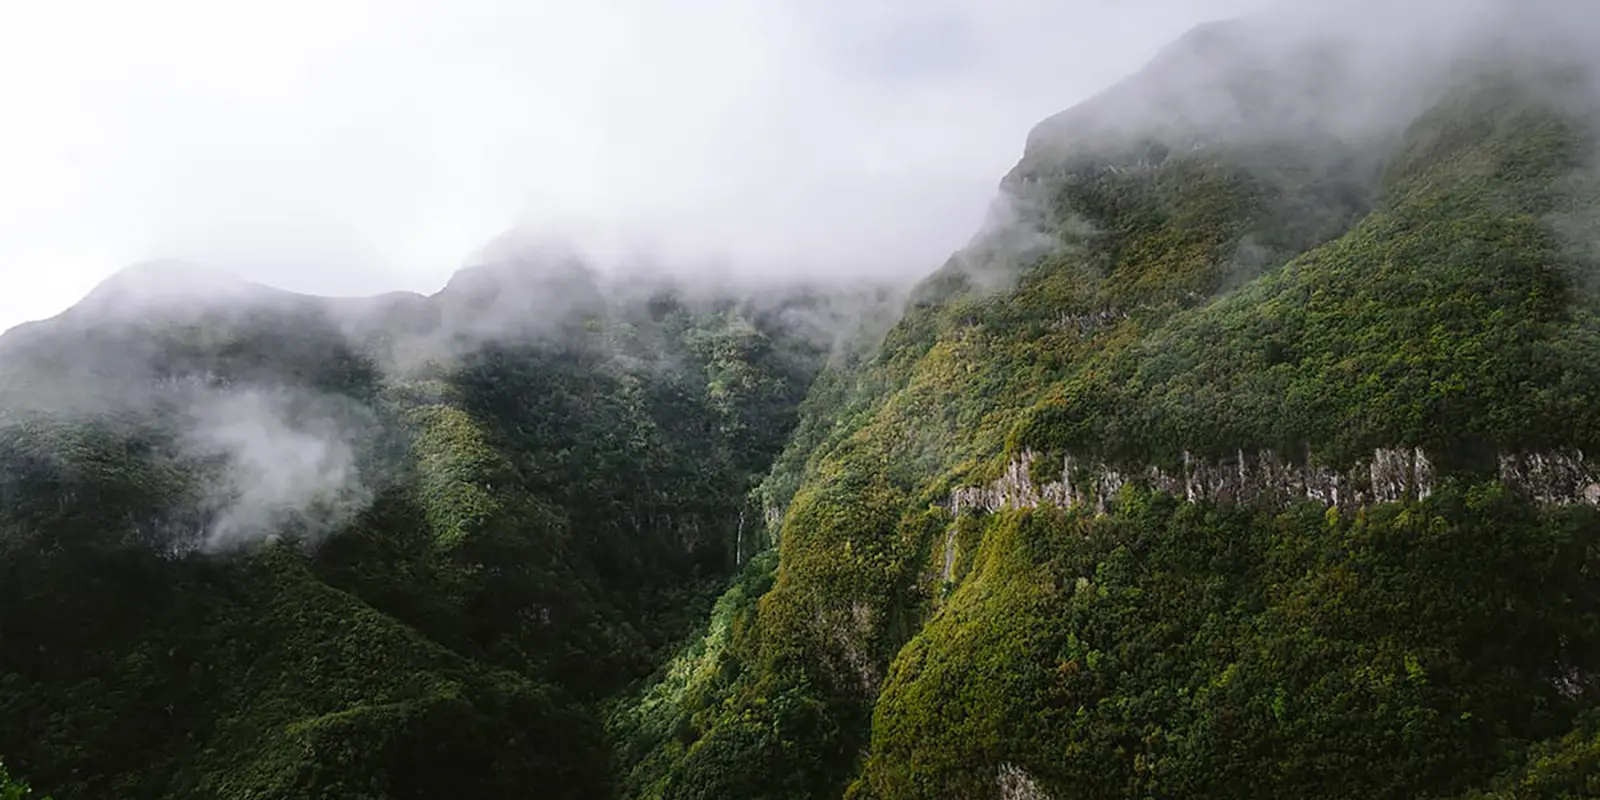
254,548
1243,456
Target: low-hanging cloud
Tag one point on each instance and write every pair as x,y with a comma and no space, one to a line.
228,464
1286,89
357,146
826,138
288,463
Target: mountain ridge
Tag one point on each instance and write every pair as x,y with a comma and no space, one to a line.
1167,301
671,543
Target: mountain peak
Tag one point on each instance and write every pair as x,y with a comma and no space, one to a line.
171,277
168,285
520,285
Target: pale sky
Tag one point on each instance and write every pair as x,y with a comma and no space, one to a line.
361,146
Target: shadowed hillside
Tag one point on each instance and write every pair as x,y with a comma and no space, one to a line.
268,545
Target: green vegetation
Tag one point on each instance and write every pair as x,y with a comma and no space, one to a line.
1448,319
1319,299
526,599
549,516
1195,651
13,789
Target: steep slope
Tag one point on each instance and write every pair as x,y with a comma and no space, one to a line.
1030,549
255,544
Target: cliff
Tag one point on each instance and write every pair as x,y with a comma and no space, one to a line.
1266,479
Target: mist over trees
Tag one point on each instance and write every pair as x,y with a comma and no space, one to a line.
1039,526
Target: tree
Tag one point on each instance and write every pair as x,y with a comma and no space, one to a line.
14,788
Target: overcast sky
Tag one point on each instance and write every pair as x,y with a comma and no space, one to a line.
359,146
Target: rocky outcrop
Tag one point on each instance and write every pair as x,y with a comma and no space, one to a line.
1016,784
1084,324
1554,478
850,626
1265,478
1572,682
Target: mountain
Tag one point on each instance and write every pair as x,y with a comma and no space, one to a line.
1245,458
258,544
1240,454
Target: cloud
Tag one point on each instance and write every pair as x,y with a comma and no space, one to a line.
288,460
357,146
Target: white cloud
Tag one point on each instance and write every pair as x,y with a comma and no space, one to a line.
355,146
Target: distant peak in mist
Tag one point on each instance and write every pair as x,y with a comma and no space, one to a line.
519,264
172,275
155,285
1353,72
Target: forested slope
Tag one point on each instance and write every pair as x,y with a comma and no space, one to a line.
1243,454
256,544
1057,538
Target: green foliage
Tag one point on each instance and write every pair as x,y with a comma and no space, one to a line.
527,604
14,789
1444,320
1316,298
655,731
1199,651
1559,769
551,514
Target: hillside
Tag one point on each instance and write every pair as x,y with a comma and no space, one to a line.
1247,461
1242,454
257,544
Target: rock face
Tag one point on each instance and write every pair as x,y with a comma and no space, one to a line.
1084,324
1555,478
1016,784
1267,479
